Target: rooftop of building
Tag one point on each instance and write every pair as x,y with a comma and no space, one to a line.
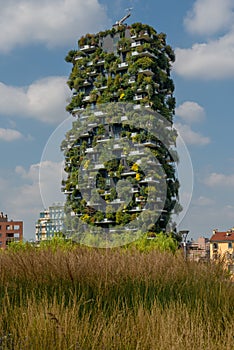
3,218
225,236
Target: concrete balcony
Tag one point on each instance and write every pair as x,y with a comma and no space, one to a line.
145,53
135,53
146,71
67,192
144,36
88,48
77,58
86,83
123,118
139,200
103,139
136,209
117,201
135,190
122,65
137,97
98,114
104,87
128,173
117,146
90,150
150,143
99,166
92,125
131,80
86,98
94,72
77,110
100,62
136,153
137,107
149,179
105,222
135,44
84,117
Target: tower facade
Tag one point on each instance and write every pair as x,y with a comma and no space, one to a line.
50,222
123,66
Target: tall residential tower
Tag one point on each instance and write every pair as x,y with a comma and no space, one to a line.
121,67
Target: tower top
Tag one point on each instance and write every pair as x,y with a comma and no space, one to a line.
122,20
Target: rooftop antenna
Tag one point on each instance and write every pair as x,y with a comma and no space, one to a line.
122,20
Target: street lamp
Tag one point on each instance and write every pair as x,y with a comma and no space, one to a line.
184,235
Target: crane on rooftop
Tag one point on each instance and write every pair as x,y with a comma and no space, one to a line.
122,20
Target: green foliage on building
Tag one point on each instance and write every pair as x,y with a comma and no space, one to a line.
130,65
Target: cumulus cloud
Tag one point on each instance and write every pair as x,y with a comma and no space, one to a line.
211,60
190,112
30,192
191,137
44,100
52,22
44,178
209,16
10,135
219,179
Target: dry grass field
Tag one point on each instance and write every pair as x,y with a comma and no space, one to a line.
123,299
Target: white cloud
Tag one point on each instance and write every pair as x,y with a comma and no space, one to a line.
219,179
209,16
9,135
52,22
191,137
45,179
212,60
24,201
203,201
44,100
190,111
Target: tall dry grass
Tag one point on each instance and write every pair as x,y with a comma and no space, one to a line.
112,299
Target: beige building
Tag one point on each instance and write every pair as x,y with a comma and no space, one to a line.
222,247
199,250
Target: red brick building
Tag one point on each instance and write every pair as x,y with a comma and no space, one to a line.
10,231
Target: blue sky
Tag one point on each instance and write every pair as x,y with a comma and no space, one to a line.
34,39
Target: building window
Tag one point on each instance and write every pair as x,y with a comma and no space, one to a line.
229,245
215,246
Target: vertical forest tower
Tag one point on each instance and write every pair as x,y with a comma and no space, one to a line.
128,64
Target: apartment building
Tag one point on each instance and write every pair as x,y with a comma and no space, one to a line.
10,231
50,222
222,247
129,64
